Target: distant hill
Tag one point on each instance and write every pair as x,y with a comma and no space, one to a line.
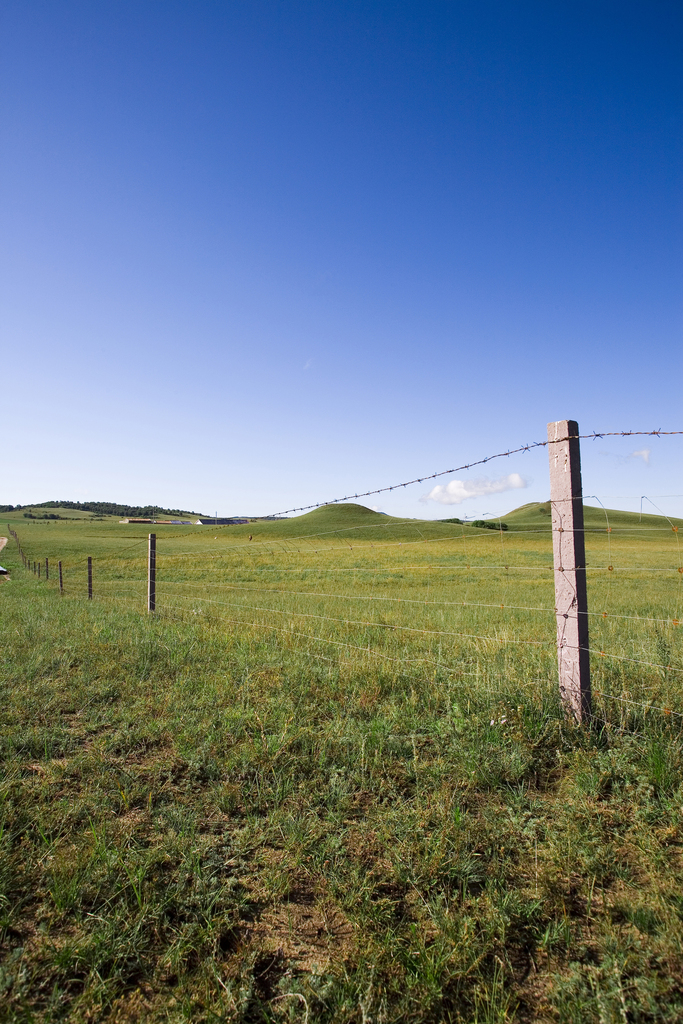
365,522
536,516
105,508
348,519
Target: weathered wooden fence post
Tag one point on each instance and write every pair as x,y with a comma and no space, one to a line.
61,584
47,569
152,573
89,578
569,560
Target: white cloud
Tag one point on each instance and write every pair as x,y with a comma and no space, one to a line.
457,491
644,454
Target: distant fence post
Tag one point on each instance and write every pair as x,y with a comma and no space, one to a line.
89,578
38,570
152,573
569,561
61,584
47,569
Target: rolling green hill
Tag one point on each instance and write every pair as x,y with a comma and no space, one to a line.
536,516
354,521
348,518
362,523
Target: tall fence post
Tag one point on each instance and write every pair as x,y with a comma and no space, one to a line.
47,569
569,561
61,584
89,578
152,573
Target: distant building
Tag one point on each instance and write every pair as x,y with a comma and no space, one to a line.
213,521
160,522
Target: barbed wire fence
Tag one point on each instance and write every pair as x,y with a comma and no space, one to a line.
360,592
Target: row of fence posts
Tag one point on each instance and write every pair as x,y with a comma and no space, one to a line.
151,569
569,565
36,566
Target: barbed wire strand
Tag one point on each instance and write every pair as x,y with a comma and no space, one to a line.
671,620
364,650
422,660
632,661
421,602
255,546
428,566
378,625
537,643
648,707
678,549
480,462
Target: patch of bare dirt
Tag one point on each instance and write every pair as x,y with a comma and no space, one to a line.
534,994
307,935
303,930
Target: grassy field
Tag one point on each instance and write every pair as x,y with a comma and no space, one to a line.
330,780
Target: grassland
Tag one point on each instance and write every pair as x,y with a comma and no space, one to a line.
330,780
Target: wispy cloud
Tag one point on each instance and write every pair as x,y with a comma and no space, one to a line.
457,491
642,453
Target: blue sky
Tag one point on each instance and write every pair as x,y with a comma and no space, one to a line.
260,254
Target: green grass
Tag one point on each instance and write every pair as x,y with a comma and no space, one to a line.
79,515
330,779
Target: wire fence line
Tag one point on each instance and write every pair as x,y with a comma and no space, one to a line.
373,624
408,601
477,567
374,653
490,535
648,707
133,590
502,567
420,602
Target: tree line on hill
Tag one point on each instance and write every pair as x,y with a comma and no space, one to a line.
102,508
483,524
